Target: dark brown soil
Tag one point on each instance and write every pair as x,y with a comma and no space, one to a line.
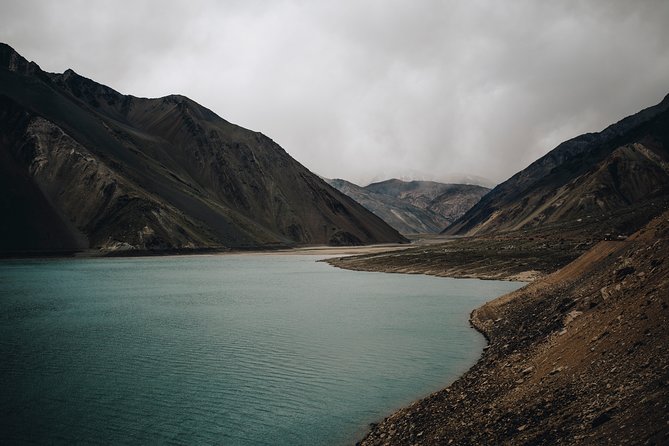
578,357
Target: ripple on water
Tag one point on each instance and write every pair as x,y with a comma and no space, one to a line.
222,349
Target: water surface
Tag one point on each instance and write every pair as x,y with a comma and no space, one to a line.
238,349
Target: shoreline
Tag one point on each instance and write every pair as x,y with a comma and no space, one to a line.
298,250
522,259
551,370
568,359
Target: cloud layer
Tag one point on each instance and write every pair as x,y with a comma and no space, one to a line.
376,88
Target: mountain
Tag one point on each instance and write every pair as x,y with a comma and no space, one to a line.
409,175
596,182
575,358
83,166
415,206
447,201
398,213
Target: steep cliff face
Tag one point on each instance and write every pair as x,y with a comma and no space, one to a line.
120,172
585,180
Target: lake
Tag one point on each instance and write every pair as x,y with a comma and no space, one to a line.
252,349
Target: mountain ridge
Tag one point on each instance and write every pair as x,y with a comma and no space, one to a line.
176,175
635,145
413,207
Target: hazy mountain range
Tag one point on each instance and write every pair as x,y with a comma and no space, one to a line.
83,166
409,175
414,207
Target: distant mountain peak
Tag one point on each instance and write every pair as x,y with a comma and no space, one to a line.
437,177
414,206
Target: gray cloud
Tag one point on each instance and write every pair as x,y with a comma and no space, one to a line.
375,88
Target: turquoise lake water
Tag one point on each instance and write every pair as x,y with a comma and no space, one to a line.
231,350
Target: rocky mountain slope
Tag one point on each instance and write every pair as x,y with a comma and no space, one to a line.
586,181
398,213
578,358
415,206
84,166
579,355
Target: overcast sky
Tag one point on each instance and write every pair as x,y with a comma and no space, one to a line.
369,89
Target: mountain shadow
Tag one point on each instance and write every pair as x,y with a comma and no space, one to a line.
84,166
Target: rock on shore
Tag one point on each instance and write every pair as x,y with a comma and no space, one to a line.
578,357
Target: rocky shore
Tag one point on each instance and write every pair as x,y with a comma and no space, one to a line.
577,357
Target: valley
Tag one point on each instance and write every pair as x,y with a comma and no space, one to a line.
578,356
